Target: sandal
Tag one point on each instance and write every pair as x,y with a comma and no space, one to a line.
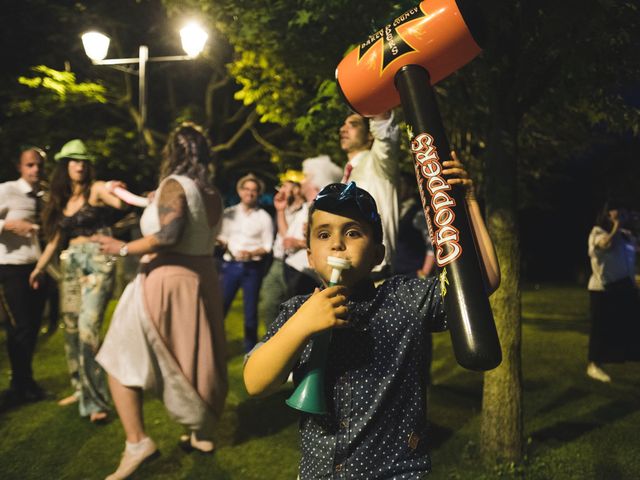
189,443
98,417
130,462
70,400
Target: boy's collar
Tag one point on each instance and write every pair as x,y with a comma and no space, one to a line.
361,292
359,303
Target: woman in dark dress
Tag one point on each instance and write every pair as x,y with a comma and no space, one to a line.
615,312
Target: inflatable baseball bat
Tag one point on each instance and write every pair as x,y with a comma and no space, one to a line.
398,65
310,395
130,198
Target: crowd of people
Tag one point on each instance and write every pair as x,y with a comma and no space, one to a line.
167,333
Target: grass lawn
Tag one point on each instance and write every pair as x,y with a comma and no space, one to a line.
576,428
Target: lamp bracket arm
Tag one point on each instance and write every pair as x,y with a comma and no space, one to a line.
171,58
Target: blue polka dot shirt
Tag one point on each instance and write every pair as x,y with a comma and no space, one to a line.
375,384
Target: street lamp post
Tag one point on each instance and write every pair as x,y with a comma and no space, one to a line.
96,46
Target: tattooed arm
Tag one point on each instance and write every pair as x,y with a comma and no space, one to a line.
172,210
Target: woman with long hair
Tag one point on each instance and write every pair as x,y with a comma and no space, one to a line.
615,312
78,208
167,332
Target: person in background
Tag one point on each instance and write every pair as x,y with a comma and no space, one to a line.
246,237
372,149
19,252
78,208
299,276
167,332
287,201
50,278
414,251
615,312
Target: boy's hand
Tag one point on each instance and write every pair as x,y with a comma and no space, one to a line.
457,175
323,310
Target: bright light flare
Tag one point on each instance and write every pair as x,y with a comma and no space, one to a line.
96,45
193,39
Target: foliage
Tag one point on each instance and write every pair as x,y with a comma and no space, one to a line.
562,97
57,98
43,100
116,159
53,97
286,53
274,90
63,87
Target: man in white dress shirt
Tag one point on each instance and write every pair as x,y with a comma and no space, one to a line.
19,252
288,201
372,151
247,237
300,277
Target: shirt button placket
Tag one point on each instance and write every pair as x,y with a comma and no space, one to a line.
342,437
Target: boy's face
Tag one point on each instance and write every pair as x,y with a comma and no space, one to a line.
345,237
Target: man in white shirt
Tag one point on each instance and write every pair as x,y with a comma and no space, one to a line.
19,252
372,151
288,201
300,277
247,237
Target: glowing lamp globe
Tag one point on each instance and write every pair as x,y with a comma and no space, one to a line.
193,39
96,45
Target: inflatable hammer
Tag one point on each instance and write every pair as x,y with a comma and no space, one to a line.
398,65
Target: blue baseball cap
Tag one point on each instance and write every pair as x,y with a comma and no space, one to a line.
337,197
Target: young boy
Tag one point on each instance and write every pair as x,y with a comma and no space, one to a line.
375,374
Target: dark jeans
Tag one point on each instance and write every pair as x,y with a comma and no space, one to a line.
24,307
615,323
247,275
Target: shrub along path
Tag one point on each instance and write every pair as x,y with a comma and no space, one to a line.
576,428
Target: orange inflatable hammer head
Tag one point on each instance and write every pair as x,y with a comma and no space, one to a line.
440,35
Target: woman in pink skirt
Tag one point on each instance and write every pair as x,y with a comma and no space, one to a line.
167,332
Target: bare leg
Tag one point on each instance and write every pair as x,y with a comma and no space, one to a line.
128,402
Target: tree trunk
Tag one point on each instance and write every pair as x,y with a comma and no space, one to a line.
501,423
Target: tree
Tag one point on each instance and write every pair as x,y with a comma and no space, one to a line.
534,99
46,99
